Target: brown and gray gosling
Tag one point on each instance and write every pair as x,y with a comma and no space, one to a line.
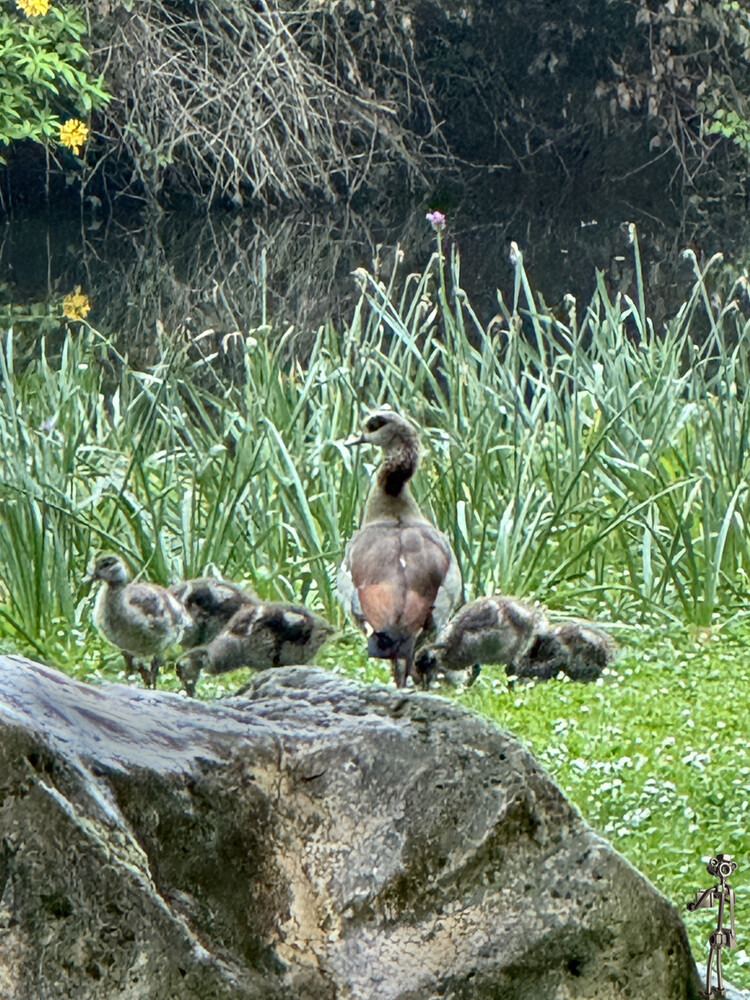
399,578
210,603
142,619
496,629
258,636
577,648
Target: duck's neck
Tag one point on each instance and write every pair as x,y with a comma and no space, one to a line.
109,600
390,494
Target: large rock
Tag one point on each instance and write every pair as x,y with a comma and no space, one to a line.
314,838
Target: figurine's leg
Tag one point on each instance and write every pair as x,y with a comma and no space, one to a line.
709,992
719,991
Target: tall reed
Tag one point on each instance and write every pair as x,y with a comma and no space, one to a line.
587,460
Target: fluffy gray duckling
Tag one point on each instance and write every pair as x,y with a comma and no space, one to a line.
142,619
211,603
577,648
399,578
259,636
489,630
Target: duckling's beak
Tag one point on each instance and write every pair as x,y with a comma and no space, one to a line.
352,441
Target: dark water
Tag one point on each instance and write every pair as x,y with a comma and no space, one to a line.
189,273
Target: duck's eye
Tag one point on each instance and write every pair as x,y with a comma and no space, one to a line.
374,424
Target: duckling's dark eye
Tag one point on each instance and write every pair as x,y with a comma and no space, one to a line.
374,424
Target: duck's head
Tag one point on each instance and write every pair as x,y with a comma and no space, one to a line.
189,666
110,568
194,659
386,430
426,665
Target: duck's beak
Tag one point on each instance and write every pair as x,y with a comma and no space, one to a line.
354,440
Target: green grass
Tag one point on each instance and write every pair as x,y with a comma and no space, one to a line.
580,458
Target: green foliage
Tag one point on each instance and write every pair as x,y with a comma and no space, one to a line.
585,461
695,85
730,125
44,73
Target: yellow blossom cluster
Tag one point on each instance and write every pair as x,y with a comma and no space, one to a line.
76,305
33,8
73,134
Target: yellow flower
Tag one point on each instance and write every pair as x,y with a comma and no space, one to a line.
32,8
73,133
76,305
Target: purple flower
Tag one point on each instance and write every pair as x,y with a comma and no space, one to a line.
48,424
436,220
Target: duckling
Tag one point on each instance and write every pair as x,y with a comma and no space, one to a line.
489,630
210,604
259,636
399,578
591,649
142,619
578,648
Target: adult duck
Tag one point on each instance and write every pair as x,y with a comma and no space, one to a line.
399,578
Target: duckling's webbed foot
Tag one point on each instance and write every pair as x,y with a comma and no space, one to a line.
150,674
130,664
145,673
425,666
400,673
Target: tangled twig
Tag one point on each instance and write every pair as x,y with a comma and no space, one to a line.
271,99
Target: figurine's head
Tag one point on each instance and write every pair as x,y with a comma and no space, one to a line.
722,865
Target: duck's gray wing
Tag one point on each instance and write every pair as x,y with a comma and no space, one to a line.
159,611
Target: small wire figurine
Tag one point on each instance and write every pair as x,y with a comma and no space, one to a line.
720,892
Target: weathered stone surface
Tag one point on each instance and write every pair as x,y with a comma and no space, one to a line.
312,838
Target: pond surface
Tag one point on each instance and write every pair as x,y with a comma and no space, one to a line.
147,272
